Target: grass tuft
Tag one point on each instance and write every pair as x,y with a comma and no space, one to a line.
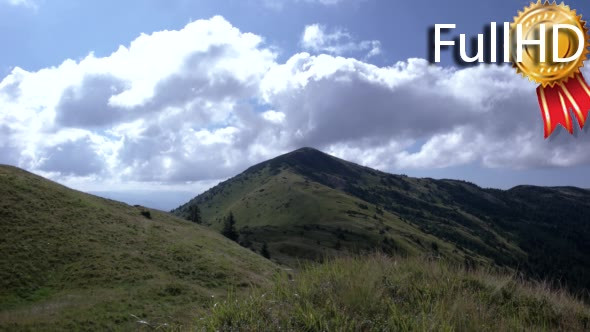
379,293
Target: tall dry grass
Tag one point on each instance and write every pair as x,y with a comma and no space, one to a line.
378,293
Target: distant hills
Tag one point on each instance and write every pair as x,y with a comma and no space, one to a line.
309,205
155,199
72,261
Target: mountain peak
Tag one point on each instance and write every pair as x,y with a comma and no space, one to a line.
306,149
311,163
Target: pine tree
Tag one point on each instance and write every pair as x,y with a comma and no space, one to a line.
264,251
195,214
229,228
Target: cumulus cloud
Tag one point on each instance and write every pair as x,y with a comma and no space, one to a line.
206,101
280,4
155,110
87,105
317,38
23,3
8,152
324,2
416,115
76,158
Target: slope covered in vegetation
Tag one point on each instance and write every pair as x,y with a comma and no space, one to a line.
309,205
74,261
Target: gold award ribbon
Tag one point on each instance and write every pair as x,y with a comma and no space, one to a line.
561,85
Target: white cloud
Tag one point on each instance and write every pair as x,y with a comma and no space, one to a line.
171,95
280,4
183,108
24,3
325,2
274,116
317,38
415,115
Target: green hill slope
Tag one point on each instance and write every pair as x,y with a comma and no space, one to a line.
75,261
307,204
301,218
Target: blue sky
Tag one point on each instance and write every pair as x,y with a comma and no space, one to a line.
259,87
59,29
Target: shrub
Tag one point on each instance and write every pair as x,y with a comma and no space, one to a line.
264,251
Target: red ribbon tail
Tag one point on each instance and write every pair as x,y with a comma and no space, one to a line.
554,109
577,93
557,101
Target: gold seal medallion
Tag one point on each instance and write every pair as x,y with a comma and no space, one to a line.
547,72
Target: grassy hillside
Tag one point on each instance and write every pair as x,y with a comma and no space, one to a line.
74,261
307,204
303,219
393,294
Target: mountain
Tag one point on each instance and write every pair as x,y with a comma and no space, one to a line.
309,205
72,261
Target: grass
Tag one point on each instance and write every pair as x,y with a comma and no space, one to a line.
379,293
72,261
